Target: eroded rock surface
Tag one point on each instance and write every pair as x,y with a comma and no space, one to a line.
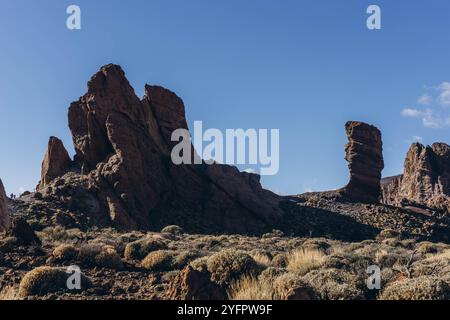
123,175
425,180
56,162
364,153
192,284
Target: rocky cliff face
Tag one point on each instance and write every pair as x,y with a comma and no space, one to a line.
4,214
364,154
425,180
122,173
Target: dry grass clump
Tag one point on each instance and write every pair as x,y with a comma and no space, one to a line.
55,234
65,252
160,260
139,249
304,260
173,229
109,258
262,259
43,280
93,255
334,284
433,264
421,288
250,288
430,247
229,265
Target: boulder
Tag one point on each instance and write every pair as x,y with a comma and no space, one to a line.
192,284
4,212
23,232
364,153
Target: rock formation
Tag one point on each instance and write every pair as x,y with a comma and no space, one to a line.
425,180
122,173
4,213
56,162
364,153
193,284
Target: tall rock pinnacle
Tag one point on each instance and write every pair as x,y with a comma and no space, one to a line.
364,153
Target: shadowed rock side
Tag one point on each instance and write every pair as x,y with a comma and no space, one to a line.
425,180
123,174
364,153
4,213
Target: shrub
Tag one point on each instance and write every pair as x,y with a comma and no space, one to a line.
388,234
280,260
183,258
289,284
43,280
200,264
304,260
173,229
55,234
429,247
229,265
109,258
271,273
250,288
139,249
334,284
87,254
93,255
160,260
65,252
421,288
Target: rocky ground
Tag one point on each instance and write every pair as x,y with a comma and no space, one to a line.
306,262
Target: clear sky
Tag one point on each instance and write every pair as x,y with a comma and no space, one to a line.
304,67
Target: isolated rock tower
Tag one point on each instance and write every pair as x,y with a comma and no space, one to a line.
364,153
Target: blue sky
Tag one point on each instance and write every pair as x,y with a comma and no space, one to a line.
305,67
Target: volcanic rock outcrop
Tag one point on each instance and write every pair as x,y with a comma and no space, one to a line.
56,162
122,173
4,214
364,153
425,180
